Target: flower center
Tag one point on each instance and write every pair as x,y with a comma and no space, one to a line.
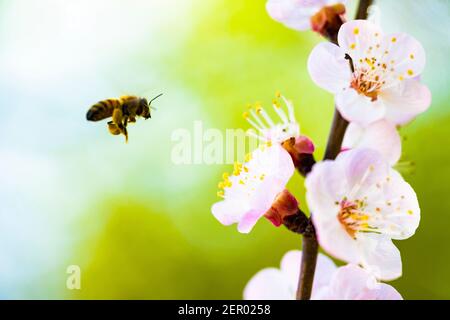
352,217
367,83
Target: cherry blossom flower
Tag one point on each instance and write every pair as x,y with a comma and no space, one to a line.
254,187
270,130
297,14
384,83
350,282
359,205
285,132
381,136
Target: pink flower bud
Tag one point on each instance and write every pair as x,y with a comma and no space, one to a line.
285,205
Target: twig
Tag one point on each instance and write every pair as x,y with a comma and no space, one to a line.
362,9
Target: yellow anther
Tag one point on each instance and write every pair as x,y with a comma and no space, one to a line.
401,78
410,72
248,157
394,39
246,169
411,56
410,212
221,185
225,176
245,115
356,31
353,46
237,168
262,177
220,194
241,182
278,94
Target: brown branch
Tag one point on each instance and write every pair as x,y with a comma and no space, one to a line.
362,9
310,244
336,136
297,223
310,248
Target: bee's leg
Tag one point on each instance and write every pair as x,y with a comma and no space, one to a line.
131,119
113,128
117,118
124,128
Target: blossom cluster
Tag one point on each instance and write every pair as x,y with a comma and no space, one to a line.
358,202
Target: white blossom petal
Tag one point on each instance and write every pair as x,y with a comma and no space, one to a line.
356,36
352,282
328,68
405,101
405,54
269,284
381,136
381,257
359,108
251,190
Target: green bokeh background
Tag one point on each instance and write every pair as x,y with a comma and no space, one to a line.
140,226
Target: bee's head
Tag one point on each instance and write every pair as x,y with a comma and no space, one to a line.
144,107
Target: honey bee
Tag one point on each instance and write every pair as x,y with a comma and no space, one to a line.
123,110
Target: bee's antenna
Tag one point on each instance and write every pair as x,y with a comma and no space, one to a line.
159,95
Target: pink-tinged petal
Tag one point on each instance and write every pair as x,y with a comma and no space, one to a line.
293,14
261,202
334,239
357,36
269,284
358,108
325,185
228,211
381,257
349,282
384,292
290,264
405,101
352,282
402,214
363,168
405,54
328,68
248,221
381,136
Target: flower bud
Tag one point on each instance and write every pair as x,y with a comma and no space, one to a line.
301,150
285,205
328,21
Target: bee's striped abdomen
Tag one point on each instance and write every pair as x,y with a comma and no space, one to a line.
102,109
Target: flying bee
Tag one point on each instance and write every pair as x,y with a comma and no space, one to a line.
123,110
